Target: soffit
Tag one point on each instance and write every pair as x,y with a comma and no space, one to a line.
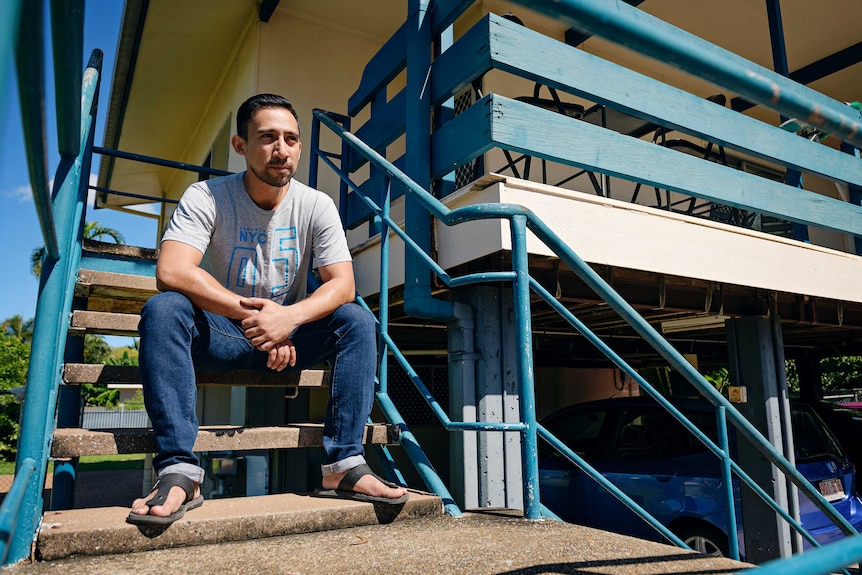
183,51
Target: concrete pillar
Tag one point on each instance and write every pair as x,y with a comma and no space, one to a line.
489,471
756,361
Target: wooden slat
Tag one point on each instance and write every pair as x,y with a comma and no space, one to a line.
74,442
78,373
500,44
505,123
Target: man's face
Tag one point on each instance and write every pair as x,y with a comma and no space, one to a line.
272,146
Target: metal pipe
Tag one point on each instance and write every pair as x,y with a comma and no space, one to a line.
420,460
31,89
159,162
635,29
55,299
524,363
12,505
67,31
727,479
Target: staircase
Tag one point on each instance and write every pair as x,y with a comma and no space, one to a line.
109,302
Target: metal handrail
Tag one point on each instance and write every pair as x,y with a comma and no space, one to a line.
626,25
514,213
56,290
12,505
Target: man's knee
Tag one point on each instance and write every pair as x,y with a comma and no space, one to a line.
164,307
357,318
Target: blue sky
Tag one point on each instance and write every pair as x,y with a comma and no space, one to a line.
19,226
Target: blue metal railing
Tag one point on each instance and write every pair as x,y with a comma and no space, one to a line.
521,219
613,20
12,506
56,288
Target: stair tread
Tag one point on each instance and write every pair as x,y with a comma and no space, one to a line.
77,373
109,323
74,442
101,531
473,544
95,247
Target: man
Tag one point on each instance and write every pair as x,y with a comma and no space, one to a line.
232,268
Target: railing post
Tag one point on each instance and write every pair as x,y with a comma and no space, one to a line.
52,307
417,277
727,479
526,391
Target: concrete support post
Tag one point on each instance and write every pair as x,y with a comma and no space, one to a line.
757,364
490,475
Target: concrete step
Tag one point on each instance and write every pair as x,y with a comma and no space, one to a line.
104,531
486,543
104,323
114,292
78,373
75,442
108,250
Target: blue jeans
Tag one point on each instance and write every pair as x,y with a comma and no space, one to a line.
177,338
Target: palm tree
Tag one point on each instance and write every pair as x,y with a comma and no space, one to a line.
92,231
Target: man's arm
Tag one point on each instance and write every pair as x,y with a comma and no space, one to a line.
178,269
274,324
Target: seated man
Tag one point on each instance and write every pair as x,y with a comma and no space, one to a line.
233,267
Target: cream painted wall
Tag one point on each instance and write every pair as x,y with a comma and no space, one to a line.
237,83
315,65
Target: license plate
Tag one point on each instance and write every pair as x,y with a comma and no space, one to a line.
831,489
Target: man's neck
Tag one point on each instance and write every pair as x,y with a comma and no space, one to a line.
266,197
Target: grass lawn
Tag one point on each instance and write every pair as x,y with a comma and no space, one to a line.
110,462
90,463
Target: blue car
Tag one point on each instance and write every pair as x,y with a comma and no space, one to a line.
652,458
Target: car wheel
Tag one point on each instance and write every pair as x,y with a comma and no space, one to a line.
704,539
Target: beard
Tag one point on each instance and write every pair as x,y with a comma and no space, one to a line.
267,177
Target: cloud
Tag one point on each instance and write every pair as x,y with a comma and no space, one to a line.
21,194
24,195
150,208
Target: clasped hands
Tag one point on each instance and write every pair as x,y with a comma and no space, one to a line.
269,330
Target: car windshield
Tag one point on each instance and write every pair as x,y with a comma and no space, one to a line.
580,431
811,437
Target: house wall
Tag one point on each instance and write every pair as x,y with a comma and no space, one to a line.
237,82
314,63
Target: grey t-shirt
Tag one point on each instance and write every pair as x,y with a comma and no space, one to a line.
255,252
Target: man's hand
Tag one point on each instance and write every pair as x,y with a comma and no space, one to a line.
281,355
271,325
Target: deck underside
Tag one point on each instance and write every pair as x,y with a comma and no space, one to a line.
668,266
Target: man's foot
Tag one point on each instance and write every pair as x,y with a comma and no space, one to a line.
361,484
172,495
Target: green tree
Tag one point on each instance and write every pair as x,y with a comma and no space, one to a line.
841,372
14,359
17,326
92,231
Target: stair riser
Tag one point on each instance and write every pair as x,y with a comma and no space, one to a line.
104,531
75,442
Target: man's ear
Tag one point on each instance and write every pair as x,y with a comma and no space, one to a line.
238,145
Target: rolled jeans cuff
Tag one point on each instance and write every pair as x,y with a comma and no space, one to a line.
193,472
345,464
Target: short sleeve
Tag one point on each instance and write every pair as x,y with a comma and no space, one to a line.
194,219
329,242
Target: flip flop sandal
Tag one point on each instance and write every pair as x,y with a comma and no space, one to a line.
345,488
163,487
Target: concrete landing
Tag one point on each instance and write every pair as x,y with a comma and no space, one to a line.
475,544
101,531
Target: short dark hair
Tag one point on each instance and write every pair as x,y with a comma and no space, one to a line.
255,103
